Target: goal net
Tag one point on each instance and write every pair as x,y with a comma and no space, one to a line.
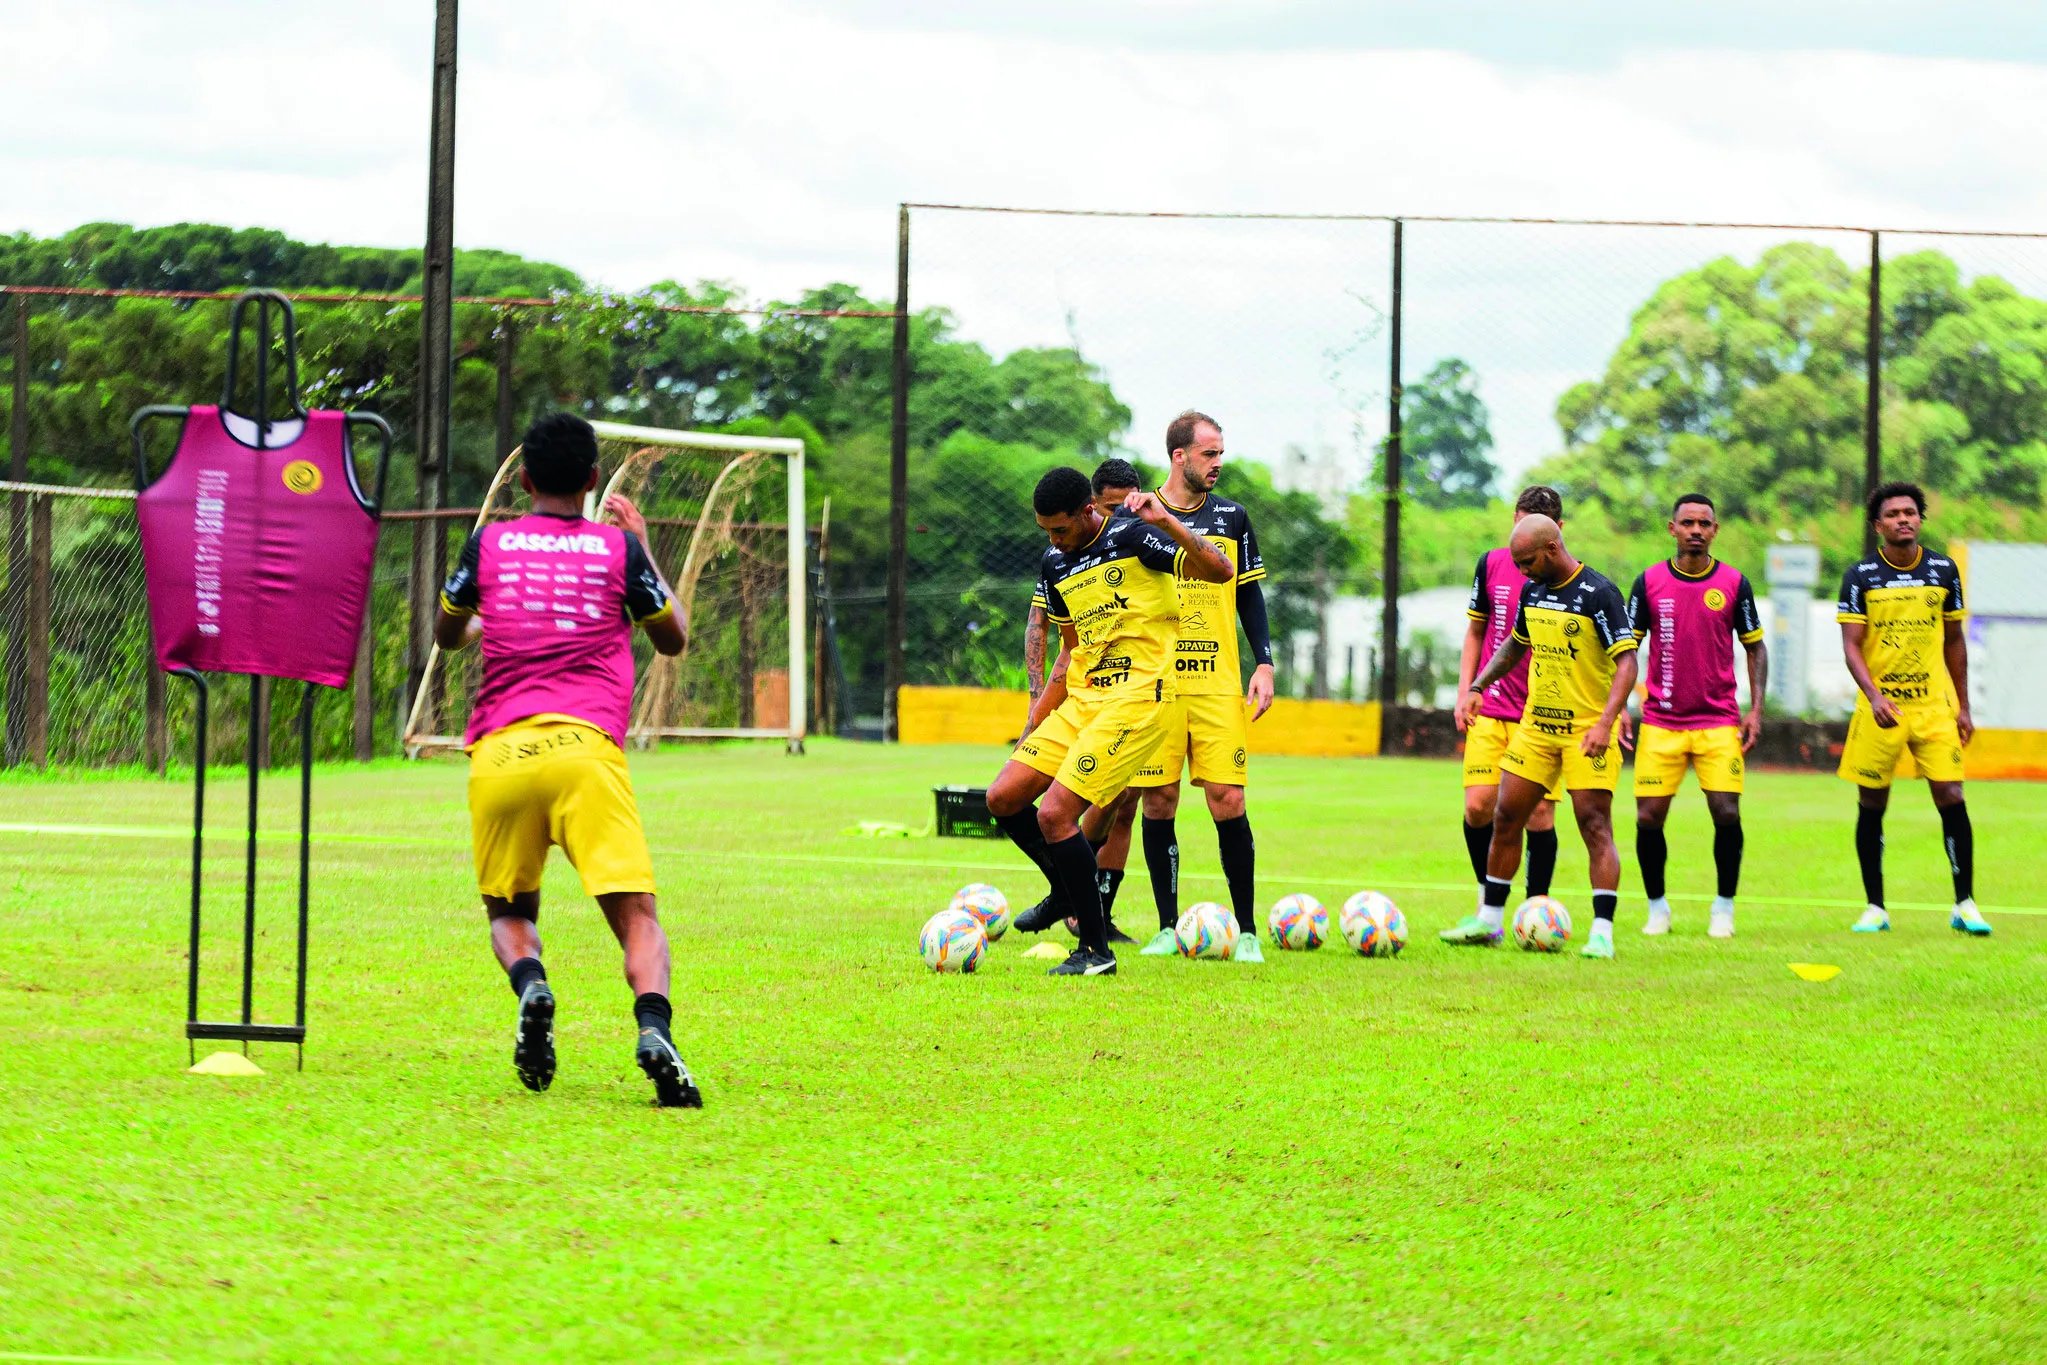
726,525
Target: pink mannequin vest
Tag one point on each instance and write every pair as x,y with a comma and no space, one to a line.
258,561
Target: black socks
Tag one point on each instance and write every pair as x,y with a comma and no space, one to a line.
1239,856
524,970
1603,905
1022,829
1162,860
1727,841
1478,842
1074,862
1542,860
1960,838
1652,851
1109,881
651,1011
1869,851
1496,892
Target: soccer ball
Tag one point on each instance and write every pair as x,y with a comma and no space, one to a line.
1298,921
953,941
1542,925
1373,925
985,904
1206,930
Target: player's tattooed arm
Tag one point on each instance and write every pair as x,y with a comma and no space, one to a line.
1034,651
1626,669
1510,653
1054,695
1955,647
1881,709
1758,684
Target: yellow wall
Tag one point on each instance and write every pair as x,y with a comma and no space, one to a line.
983,715
1996,754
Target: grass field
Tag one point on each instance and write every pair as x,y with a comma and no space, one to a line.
1685,1154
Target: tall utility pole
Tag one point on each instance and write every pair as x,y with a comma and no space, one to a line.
1389,562
1873,365
436,347
898,484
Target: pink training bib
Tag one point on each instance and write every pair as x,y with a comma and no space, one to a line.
258,561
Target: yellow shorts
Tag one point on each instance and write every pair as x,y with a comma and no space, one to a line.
543,782
1870,757
1545,758
1661,757
1094,745
1485,740
1213,731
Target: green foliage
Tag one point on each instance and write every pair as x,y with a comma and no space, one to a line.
1446,439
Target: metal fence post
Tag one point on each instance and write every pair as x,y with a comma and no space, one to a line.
1873,362
1389,570
14,604
38,718
508,345
436,351
366,689
156,749
898,483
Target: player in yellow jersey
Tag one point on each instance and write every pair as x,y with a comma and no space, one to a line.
1209,732
1109,585
1572,626
1901,620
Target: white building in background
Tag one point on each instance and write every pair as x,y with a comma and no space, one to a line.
2006,590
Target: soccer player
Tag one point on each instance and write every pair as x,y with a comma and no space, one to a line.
1208,733
1901,619
1109,585
1688,611
1488,721
1572,627
554,599
1107,829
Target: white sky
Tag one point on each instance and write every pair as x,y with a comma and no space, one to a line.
768,143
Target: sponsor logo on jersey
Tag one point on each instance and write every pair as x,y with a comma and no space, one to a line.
303,477
1085,764
585,543
1113,575
1199,647
1193,620
1715,599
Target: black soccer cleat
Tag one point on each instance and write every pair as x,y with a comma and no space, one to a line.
533,1040
1039,917
673,1086
1086,962
1118,936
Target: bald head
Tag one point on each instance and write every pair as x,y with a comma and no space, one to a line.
1537,546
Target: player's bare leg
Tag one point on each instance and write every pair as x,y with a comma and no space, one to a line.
1594,810
1162,861
638,929
1540,835
515,939
1514,806
1239,860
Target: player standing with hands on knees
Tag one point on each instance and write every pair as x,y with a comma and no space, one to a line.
1901,620
1573,629
554,598
1688,611
1110,586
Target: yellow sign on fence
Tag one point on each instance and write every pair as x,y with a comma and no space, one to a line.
987,715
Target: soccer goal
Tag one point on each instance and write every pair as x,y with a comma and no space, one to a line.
726,524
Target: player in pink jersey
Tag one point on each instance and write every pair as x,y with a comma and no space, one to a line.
1690,610
1488,723
554,599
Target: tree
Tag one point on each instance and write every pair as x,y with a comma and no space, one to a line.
1446,439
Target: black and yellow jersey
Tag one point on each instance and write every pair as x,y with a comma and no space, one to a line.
1574,631
1205,661
1119,594
1905,612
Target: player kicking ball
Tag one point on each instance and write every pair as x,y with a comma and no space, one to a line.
1207,732
1488,720
1109,585
1572,627
1901,620
554,599
1688,611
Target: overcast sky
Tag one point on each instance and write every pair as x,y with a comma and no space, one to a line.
768,143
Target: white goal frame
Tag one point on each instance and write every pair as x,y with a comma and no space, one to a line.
650,438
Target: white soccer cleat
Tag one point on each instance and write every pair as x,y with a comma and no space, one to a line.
1875,920
1720,923
1659,918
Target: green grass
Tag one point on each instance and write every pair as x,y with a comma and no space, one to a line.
1685,1154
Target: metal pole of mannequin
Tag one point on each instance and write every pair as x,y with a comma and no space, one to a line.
1389,571
1873,361
436,351
898,484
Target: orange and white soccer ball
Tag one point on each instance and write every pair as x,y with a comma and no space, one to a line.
1542,925
1298,921
986,904
1373,925
952,941
1206,930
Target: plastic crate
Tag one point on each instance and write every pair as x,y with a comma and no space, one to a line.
963,813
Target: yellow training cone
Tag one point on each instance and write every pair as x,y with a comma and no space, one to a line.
226,1064
1046,950
1815,971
